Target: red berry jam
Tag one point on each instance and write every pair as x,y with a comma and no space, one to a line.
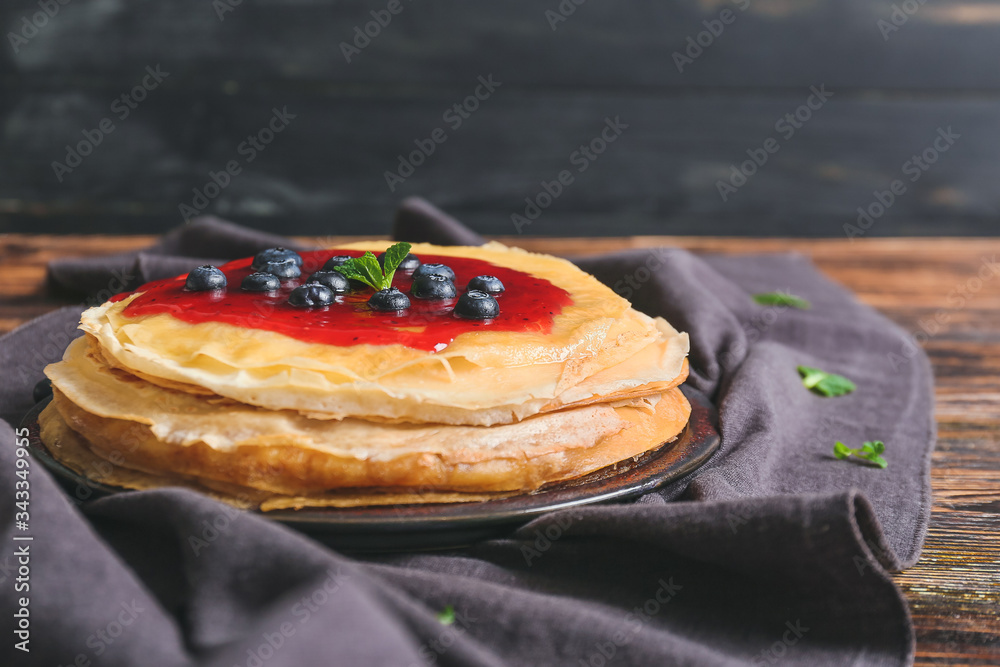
529,304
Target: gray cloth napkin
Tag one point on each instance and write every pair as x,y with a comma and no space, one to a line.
773,553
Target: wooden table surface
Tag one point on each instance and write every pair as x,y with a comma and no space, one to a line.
954,591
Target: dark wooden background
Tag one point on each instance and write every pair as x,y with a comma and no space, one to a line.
324,174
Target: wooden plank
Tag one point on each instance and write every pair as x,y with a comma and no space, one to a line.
263,43
325,173
953,590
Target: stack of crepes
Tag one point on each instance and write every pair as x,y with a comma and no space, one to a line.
266,419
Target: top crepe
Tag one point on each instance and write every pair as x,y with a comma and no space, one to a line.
598,348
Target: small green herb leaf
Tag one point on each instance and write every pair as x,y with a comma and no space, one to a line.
782,299
369,267
825,384
874,447
393,256
365,268
811,376
349,271
868,451
447,617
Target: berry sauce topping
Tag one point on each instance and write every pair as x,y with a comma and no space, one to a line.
528,304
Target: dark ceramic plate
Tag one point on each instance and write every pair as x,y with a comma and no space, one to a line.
407,527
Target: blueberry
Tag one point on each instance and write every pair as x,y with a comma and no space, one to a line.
488,284
42,390
436,270
311,295
476,305
279,254
285,269
433,287
334,262
389,300
260,282
409,263
336,282
205,278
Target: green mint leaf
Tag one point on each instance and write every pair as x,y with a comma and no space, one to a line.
349,271
825,384
446,617
393,256
875,447
365,268
811,376
368,265
782,299
835,385
869,452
